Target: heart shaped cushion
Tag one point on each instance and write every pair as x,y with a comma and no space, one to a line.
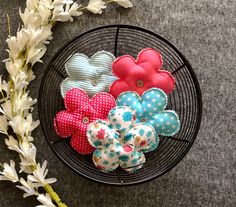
141,74
79,113
92,75
150,108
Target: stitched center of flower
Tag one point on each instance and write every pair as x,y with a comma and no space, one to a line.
94,82
85,120
139,83
143,120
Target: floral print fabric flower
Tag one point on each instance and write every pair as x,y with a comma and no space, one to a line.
122,144
141,74
79,113
150,108
92,75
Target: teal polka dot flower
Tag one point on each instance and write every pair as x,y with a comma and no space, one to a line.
121,142
92,75
150,109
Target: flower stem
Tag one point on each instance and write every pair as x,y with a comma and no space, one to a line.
54,196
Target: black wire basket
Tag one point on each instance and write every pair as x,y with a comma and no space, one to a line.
185,100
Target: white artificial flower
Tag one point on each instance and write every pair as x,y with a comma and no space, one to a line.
65,14
12,144
6,108
17,44
28,151
3,124
31,76
45,200
32,4
44,14
125,3
35,54
96,6
38,37
61,2
39,175
20,80
23,102
28,187
4,86
14,68
9,172
30,18
73,11
22,126
25,165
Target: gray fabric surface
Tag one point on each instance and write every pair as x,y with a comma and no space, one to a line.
203,30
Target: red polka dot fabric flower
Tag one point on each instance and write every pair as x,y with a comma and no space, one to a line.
141,74
80,112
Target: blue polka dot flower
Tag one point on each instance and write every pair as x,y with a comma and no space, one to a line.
121,142
150,108
92,75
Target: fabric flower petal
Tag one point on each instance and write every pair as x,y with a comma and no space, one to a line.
103,103
131,159
65,123
80,142
122,85
103,60
78,67
122,119
142,136
166,123
99,134
153,145
105,159
75,98
154,100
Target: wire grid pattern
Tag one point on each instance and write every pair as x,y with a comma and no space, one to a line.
185,100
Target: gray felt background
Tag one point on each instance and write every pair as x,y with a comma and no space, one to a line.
203,30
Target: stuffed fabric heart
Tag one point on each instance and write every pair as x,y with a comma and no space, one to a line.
93,75
79,113
141,74
120,142
150,109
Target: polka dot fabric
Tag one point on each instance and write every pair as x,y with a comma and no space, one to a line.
80,112
141,74
120,142
150,108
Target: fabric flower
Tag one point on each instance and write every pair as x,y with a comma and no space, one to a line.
150,109
92,75
80,111
122,142
141,74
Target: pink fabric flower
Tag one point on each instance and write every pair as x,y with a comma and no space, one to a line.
141,74
80,112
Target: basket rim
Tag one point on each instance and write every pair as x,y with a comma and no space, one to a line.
186,62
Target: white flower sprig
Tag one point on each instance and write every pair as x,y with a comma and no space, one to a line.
25,49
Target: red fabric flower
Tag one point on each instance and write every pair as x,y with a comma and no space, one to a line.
79,113
141,74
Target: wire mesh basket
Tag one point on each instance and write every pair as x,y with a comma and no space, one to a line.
185,100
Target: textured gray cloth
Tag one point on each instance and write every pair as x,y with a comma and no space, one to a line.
203,30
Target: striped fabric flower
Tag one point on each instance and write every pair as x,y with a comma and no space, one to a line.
92,75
